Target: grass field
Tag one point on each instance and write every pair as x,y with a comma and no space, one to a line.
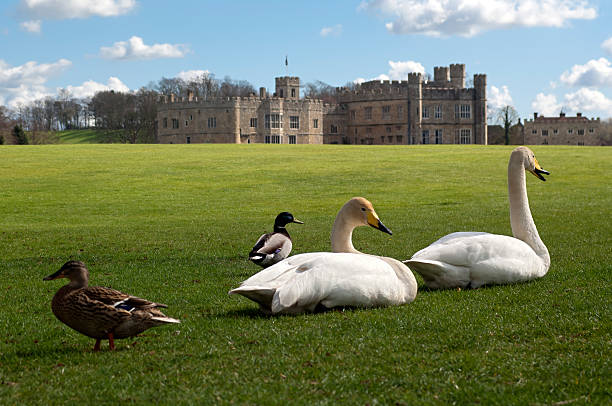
85,136
174,224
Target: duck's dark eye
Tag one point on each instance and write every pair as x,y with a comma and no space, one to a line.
363,209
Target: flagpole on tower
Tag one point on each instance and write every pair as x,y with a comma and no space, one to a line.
286,65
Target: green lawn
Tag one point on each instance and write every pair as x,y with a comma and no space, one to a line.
85,136
174,223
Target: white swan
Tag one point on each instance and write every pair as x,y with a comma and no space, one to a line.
344,277
472,259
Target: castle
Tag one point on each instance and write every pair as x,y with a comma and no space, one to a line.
416,111
562,130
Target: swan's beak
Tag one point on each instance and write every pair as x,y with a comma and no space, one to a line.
538,171
374,221
297,221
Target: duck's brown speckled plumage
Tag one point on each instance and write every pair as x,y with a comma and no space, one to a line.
100,312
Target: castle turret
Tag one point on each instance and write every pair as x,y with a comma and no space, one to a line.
441,75
457,75
480,109
415,105
288,87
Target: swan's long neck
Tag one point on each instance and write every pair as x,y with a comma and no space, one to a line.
521,220
342,235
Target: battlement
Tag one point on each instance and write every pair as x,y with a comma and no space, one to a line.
579,118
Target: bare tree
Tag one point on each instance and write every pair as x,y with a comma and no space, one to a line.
506,116
320,90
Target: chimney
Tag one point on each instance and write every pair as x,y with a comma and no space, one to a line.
262,92
562,114
190,95
578,114
535,115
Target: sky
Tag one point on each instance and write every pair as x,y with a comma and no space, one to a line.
542,56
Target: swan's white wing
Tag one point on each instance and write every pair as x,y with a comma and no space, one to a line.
303,281
459,259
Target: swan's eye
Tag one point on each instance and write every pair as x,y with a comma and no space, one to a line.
363,209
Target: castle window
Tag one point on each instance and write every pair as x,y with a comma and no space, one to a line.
555,131
570,130
292,139
544,133
294,122
400,111
425,112
273,121
353,114
465,136
591,130
382,139
399,139
191,117
463,111
281,93
333,129
293,95
212,122
272,139
175,123
186,123
386,112
581,131
368,113
534,131
388,129
253,122
438,136
368,130
165,122
425,137
390,138
315,123
188,140
437,111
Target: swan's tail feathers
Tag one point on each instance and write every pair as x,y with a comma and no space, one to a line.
258,294
165,320
440,275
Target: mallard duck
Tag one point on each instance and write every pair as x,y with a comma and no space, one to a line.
473,259
345,277
99,312
273,247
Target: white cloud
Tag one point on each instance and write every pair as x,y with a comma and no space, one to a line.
589,101
499,98
397,71
32,26
596,72
64,9
90,87
546,105
135,48
335,30
468,18
25,83
190,75
607,45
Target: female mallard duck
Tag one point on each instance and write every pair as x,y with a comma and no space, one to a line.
99,312
474,259
276,246
344,277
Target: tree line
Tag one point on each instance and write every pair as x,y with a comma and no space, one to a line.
128,116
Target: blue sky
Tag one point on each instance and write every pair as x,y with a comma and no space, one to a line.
539,55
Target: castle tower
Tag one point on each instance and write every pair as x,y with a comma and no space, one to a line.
457,75
441,75
480,109
415,104
288,87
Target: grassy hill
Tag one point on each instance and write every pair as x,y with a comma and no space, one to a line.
86,136
174,223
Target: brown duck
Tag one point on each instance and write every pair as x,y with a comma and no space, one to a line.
99,312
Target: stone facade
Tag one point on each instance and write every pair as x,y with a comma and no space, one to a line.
283,118
416,111
562,130
442,111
